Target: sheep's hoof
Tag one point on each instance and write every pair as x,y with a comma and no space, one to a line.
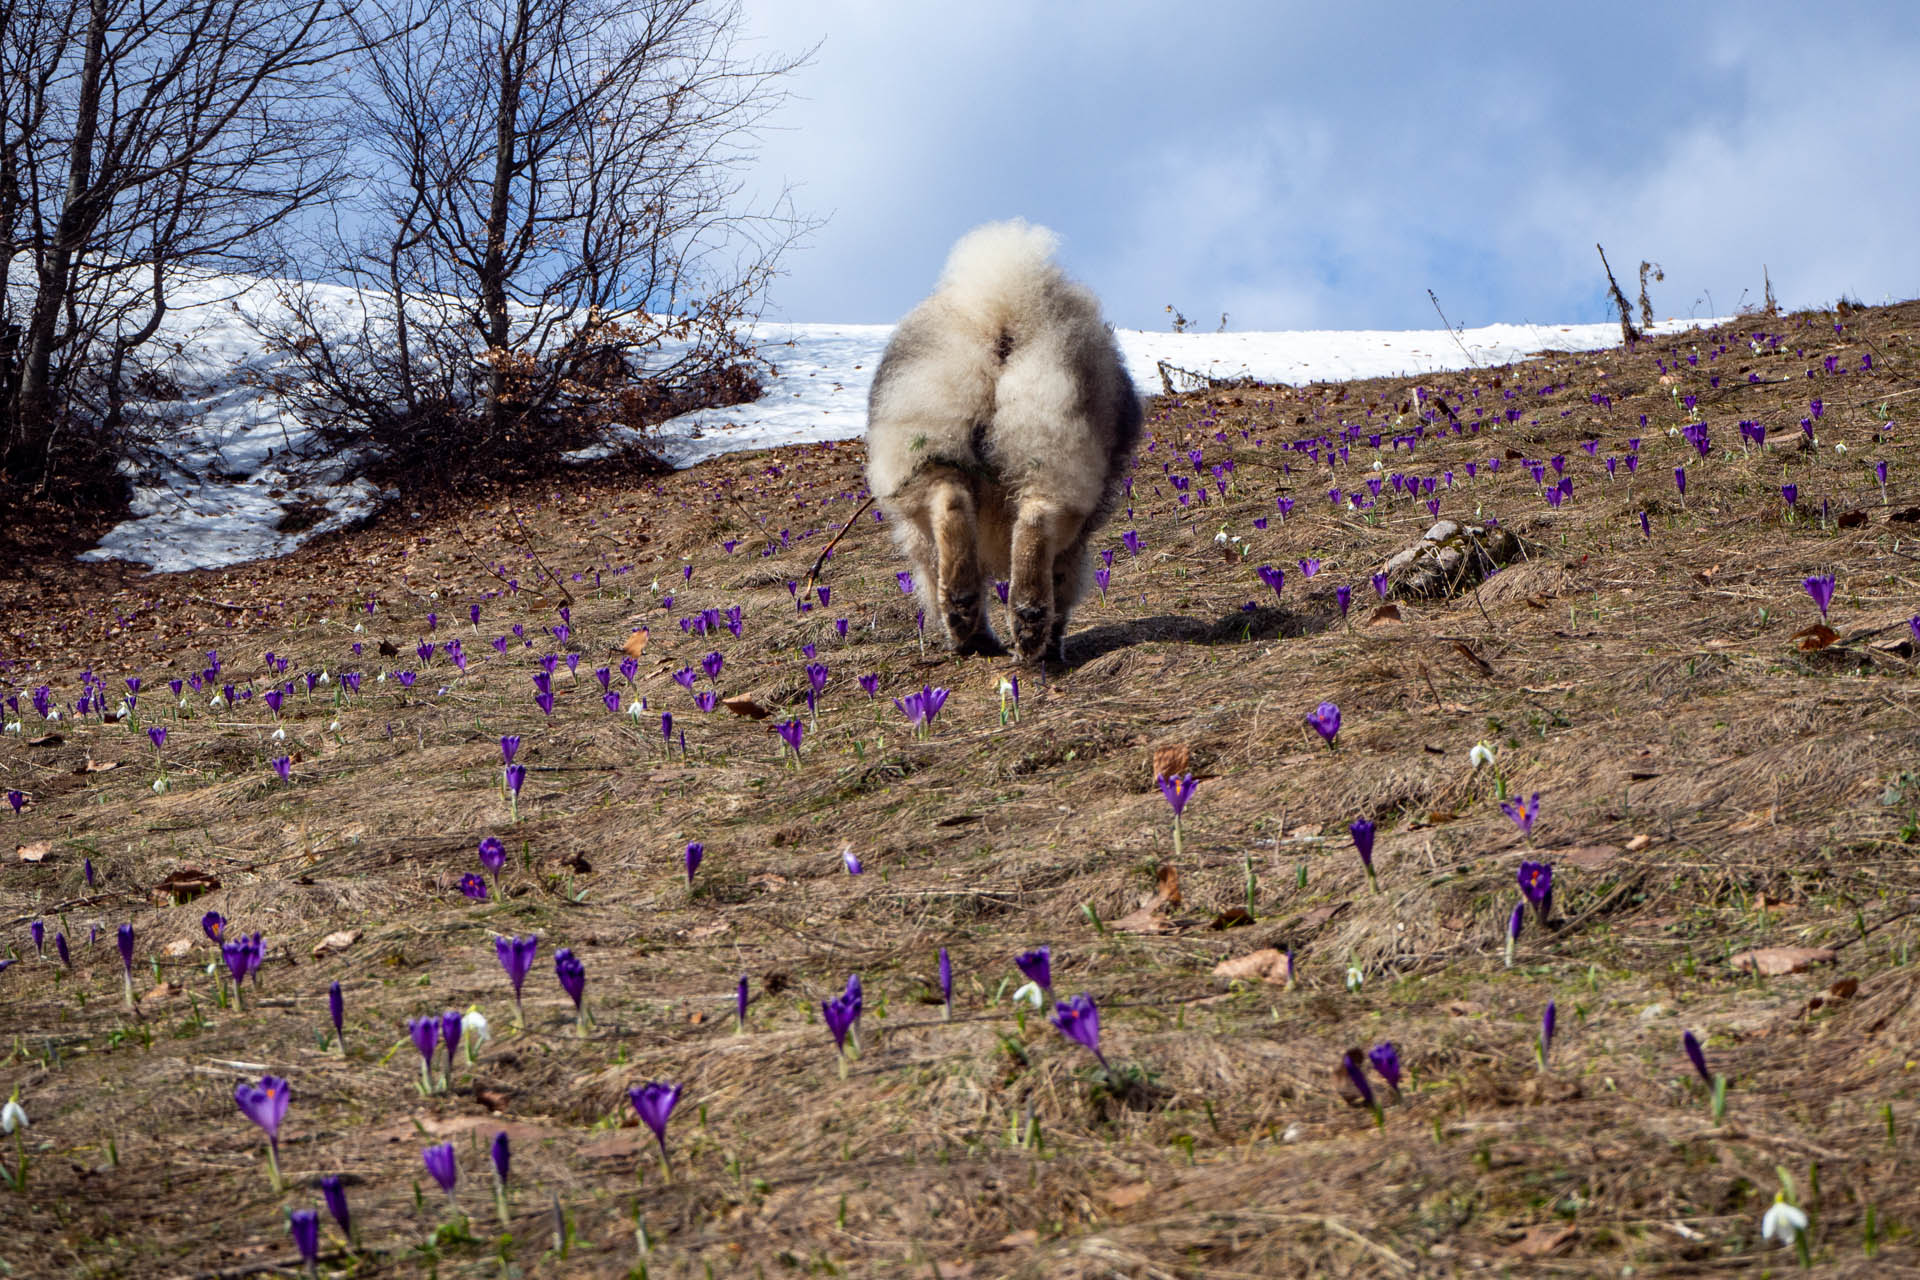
1031,628
981,644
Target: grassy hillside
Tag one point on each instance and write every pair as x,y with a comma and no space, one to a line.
1712,779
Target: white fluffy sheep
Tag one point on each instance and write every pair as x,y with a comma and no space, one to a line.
999,426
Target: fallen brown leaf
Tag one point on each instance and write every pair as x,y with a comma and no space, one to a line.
160,994
1128,1196
636,643
1542,1241
1772,962
339,940
1268,964
35,852
1172,760
1232,918
742,705
1816,637
1385,614
97,766
1638,843
1588,857
46,740
1320,915
1852,519
184,884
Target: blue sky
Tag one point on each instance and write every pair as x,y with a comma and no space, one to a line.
1323,165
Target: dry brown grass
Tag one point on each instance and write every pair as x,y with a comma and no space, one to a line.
1707,787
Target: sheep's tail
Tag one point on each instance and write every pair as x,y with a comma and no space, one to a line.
999,267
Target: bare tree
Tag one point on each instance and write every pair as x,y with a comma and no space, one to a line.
143,142
551,191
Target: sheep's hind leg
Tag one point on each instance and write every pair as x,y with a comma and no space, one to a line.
954,520
1069,588
1040,533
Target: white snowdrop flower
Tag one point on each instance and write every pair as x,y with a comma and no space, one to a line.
1354,977
1783,1222
1220,538
474,1032
1481,754
122,711
279,735
216,702
325,679
1377,466
334,727
634,708
14,1116
53,716
159,786
13,726
381,678
1006,687
1841,447
1029,994
360,626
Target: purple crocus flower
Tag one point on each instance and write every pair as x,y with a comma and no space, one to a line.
573,980
337,1011
502,1157
450,1034
16,801
509,748
1820,587
1177,791
1789,493
1309,567
1343,597
1548,1020
474,887
425,1033
543,700
740,1004
1523,815
334,1194
38,930
516,778
441,1163
791,732
1362,832
157,735
1274,578
125,939
1386,1060
1037,965
1131,541
1536,886
1680,480
516,957
1325,720
493,855
284,767
60,949
946,982
695,851
266,1105
1357,1076
685,677
711,664
1078,1019
1691,1043
654,1102
840,1014
904,581
304,1225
